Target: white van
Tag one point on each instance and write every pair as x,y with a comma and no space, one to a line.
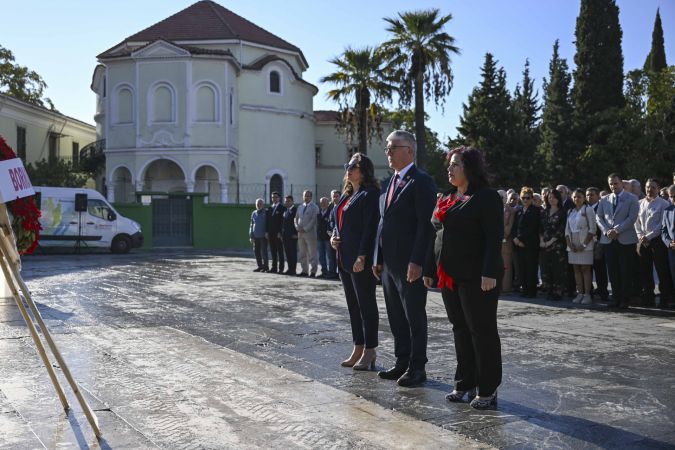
97,224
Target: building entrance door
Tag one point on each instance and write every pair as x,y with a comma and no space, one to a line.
172,222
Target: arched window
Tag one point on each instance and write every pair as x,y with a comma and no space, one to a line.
163,105
206,108
275,82
277,184
124,112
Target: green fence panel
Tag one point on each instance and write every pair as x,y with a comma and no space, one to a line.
221,226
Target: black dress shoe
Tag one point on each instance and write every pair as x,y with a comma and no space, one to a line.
412,377
259,269
302,274
289,272
392,374
273,270
312,275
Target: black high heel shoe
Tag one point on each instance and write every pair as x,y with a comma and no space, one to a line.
458,396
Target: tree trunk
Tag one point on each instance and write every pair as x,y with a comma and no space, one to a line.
363,105
419,118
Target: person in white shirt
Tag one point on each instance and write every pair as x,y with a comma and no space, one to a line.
305,224
651,248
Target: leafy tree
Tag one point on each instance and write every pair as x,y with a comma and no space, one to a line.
420,51
404,119
362,85
487,121
598,78
525,131
556,125
656,59
58,173
20,82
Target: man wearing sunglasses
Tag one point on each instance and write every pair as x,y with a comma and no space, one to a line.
404,232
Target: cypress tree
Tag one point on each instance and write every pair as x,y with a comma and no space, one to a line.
656,60
598,78
486,121
525,108
555,149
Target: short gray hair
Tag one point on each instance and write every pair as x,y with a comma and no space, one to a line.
404,136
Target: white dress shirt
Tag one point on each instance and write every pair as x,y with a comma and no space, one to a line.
649,219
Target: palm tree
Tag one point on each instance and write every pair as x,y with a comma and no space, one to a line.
420,52
361,86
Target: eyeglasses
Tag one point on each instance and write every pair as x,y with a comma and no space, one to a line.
392,148
526,197
351,166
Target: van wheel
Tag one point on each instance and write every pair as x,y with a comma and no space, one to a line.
121,244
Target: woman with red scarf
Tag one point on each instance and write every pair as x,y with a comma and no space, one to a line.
468,264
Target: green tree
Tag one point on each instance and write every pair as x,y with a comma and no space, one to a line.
656,59
598,78
487,122
556,125
20,82
420,51
404,119
525,108
59,173
362,85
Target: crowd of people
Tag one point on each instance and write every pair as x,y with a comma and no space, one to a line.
558,240
472,243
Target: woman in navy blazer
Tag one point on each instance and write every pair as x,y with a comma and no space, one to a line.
356,217
468,262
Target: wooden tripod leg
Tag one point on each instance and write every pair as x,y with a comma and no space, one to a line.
34,335
91,417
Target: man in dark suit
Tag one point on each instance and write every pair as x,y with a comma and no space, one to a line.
406,204
275,217
668,233
290,235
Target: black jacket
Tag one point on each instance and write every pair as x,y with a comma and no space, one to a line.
275,218
360,217
526,226
469,241
288,226
404,230
323,224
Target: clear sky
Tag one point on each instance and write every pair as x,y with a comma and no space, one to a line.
60,40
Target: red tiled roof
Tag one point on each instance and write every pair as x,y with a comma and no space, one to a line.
207,20
326,116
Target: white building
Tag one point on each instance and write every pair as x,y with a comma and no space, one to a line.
36,133
206,101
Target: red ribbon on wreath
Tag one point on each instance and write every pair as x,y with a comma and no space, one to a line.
25,213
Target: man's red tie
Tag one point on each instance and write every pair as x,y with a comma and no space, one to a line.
392,188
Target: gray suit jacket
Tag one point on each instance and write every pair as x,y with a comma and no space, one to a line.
622,220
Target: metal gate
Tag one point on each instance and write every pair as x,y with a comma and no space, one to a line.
172,222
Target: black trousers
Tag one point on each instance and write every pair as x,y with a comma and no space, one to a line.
260,250
277,250
528,259
291,250
671,261
406,309
620,258
473,315
363,315
600,271
655,254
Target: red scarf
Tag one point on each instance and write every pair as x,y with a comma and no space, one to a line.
442,206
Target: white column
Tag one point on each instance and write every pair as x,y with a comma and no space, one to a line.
224,192
190,186
111,192
139,186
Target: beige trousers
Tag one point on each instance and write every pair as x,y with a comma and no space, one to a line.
307,255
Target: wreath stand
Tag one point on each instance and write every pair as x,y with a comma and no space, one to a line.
11,264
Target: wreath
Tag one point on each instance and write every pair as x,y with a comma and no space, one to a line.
24,213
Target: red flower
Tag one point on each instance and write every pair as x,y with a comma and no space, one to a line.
26,215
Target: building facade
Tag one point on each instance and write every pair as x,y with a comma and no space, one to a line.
37,133
206,101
